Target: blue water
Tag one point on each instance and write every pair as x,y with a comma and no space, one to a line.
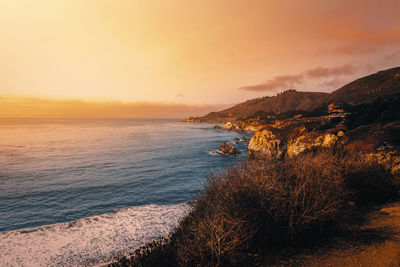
59,170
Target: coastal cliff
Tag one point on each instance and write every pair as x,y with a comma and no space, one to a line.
381,85
362,115
313,177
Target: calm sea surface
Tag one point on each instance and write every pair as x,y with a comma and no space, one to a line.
98,173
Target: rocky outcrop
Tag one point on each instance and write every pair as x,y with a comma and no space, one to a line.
252,128
239,127
268,144
230,126
190,119
303,143
387,157
330,140
228,148
312,140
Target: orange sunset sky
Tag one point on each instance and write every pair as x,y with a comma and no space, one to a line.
131,58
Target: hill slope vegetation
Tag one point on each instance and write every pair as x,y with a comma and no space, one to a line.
382,84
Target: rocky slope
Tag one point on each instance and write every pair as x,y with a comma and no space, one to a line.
363,115
376,134
373,128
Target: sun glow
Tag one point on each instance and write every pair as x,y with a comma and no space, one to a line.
186,52
26,107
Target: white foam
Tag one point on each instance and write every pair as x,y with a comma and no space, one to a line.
215,153
219,152
92,240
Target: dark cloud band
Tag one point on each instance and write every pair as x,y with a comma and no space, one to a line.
288,81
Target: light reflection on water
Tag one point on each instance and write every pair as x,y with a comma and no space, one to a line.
58,170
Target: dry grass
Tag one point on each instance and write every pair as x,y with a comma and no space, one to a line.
252,211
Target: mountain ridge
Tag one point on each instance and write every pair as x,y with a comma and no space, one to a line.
368,88
381,84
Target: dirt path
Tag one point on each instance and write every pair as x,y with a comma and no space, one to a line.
376,243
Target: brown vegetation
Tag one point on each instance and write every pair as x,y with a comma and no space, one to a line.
366,89
249,213
283,102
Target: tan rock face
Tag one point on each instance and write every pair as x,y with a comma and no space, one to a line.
252,128
389,158
330,140
268,144
229,126
302,144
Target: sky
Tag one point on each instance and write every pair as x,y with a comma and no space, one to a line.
187,54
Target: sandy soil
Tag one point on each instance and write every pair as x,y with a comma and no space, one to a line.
374,243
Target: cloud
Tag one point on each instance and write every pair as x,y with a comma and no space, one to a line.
322,72
334,83
180,95
387,36
283,82
353,49
363,42
391,56
278,82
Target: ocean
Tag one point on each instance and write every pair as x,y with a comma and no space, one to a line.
78,191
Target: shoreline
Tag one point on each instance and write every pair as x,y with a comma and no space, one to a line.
93,241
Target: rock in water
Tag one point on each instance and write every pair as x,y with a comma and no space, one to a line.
228,126
228,148
268,144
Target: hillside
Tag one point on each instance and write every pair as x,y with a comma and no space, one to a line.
283,102
320,186
382,84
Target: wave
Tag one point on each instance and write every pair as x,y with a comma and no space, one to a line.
89,241
215,153
219,152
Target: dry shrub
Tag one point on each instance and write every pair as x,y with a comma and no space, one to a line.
266,206
254,210
360,145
